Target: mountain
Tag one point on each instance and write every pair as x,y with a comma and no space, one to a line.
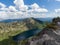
45,19
16,27
29,31
12,20
50,35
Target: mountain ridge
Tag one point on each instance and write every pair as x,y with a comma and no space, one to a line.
41,19
16,27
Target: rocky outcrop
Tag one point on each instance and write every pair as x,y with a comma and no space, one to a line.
46,37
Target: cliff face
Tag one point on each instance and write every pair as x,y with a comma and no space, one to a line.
46,37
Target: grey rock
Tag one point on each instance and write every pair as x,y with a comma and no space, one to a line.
49,42
46,37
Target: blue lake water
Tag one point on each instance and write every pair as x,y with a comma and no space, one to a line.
26,34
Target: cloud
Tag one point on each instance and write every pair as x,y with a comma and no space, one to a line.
2,5
10,15
57,0
9,9
20,10
3,15
57,10
54,15
41,10
35,7
12,9
20,5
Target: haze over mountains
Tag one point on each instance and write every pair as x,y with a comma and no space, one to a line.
12,20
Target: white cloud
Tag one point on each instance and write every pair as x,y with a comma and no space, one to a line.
12,8
57,10
56,13
14,12
23,8
2,5
41,10
3,15
57,0
35,5
10,15
4,9
9,9
37,8
20,5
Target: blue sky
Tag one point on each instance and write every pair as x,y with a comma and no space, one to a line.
49,8
50,5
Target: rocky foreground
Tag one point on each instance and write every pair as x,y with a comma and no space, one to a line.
46,37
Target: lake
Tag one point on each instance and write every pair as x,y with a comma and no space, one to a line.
26,34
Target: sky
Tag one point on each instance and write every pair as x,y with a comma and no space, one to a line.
13,9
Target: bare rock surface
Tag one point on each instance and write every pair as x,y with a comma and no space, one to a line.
46,37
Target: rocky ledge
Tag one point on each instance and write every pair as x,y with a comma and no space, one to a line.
46,37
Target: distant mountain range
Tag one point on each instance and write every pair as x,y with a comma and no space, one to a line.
45,19
42,19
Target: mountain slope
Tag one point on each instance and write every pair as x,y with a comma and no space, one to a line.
16,27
